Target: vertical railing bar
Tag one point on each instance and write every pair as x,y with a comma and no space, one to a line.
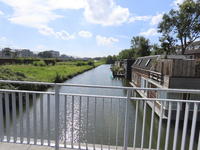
35,118
194,119
126,127
185,126
21,118
56,117
160,126
14,117
72,145
176,125
65,120
41,118
135,128
80,123
168,126
87,123
95,109
152,120
48,118
7,116
110,123
199,142
102,126
28,118
143,126
117,124
1,118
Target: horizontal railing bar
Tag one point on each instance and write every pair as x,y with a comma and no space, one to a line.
100,86
23,91
99,96
170,100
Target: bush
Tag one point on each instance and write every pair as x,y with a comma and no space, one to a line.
41,63
90,62
35,63
80,63
20,60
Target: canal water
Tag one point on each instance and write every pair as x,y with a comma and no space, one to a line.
113,114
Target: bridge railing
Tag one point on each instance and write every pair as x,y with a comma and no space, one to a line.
70,135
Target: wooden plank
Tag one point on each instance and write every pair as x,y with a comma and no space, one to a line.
180,62
184,72
192,70
176,67
188,68
171,68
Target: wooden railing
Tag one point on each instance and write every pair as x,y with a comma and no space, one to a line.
175,67
156,76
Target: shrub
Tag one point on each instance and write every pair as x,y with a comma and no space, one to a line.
90,62
35,63
20,60
41,63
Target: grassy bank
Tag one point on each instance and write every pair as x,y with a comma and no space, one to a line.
42,73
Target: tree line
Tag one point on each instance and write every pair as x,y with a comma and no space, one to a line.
179,28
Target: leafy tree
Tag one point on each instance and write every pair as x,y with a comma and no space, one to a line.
140,46
45,54
125,54
156,49
182,24
109,60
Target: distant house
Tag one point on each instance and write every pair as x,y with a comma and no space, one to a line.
175,72
192,51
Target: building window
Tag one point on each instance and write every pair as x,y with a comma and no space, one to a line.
144,84
135,78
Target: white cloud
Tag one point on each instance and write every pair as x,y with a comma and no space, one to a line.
1,13
105,41
46,31
3,39
156,19
105,12
85,34
122,36
64,35
141,18
41,47
150,32
176,2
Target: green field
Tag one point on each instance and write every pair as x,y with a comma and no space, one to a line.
40,72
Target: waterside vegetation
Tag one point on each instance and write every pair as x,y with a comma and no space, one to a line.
41,72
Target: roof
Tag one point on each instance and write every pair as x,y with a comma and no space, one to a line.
146,62
141,62
192,51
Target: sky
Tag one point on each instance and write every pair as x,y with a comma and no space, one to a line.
83,28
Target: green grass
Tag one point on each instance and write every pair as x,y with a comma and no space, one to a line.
50,73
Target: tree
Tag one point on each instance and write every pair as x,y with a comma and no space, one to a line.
182,24
125,54
140,46
6,52
168,45
109,60
156,49
45,54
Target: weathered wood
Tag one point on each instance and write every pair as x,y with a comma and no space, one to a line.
188,68
175,67
184,68
192,70
180,67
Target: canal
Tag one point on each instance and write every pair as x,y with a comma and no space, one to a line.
113,117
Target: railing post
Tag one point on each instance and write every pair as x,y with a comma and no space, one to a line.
127,119
56,117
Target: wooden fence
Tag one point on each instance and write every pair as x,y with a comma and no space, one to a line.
176,67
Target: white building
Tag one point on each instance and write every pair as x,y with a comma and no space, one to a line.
55,54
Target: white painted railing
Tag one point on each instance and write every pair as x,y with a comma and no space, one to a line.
10,99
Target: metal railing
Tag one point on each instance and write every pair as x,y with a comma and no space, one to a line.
8,97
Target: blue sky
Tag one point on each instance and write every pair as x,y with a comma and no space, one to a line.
84,28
